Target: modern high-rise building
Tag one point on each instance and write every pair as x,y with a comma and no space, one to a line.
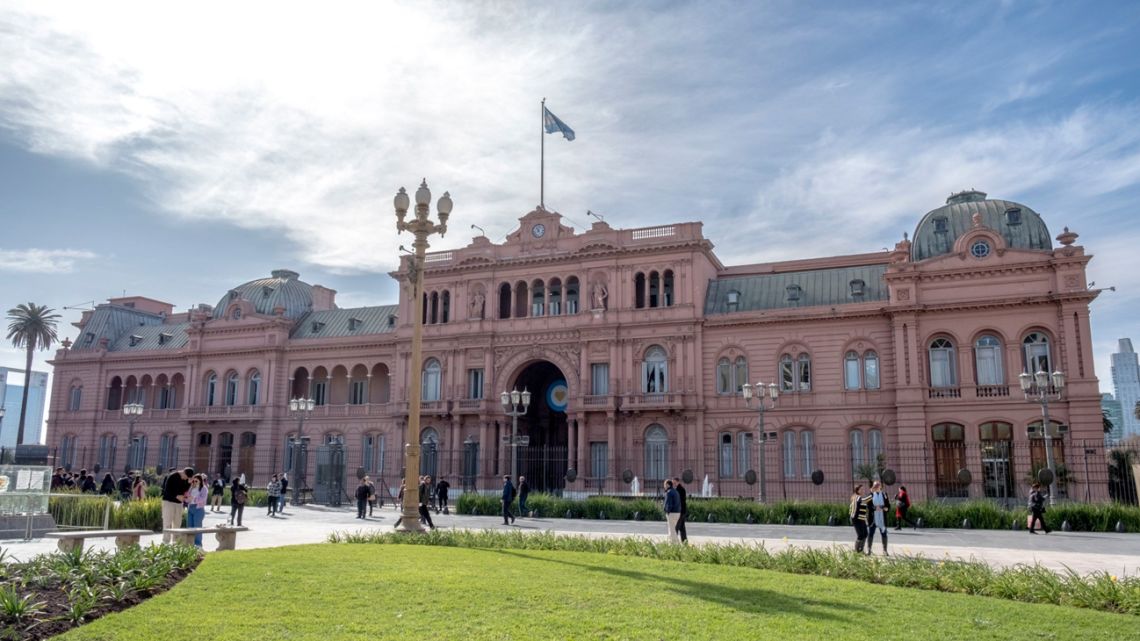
1112,411
1126,383
12,397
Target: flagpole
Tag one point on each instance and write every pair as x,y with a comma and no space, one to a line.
542,155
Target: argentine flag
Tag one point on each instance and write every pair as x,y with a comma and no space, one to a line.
553,124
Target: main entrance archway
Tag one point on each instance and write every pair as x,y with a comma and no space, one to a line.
543,460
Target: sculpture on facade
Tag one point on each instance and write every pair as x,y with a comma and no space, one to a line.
599,294
477,302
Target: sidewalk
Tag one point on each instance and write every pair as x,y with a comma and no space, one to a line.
1083,552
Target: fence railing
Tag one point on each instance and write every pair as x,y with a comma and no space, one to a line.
999,471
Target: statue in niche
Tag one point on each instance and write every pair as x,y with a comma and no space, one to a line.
477,302
600,294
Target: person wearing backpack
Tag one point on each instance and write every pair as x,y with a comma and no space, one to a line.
239,494
1037,509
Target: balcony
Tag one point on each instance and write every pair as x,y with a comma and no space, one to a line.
599,402
228,412
991,391
943,392
469,405
668,402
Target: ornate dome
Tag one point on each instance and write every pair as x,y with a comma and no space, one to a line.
282,289
1021,227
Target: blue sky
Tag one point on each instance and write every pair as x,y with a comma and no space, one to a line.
174,152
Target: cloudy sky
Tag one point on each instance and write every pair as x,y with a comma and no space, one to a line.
176,151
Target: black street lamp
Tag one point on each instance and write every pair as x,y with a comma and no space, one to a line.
301,408
762,404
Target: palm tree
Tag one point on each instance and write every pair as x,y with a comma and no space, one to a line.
30,326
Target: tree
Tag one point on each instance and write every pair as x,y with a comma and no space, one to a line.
30,326
1107,422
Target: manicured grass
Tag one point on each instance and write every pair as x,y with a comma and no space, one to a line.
350,592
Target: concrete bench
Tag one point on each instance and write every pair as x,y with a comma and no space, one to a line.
225,534
69,541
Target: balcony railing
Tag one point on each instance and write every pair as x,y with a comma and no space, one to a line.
992,391
229,411
651,401
944,392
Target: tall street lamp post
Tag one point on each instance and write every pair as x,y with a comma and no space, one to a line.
301,408
755,396
1037,390
132,411
515,404
421,227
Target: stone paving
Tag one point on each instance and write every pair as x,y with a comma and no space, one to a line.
1083,552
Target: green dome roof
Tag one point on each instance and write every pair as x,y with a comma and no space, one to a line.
936,233
282,289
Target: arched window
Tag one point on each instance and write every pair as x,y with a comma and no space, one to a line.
75,398
67,452
987,361
520,300
740,374
943,371
572,295
744,442
997,470
1036,346
851,367
505,300
667,289
555,304
434,308
787,374
654,289
789,454
656,454
874,447
167,451
429,452
445,306
372,458
871,370
858,456
639,290
431,380
107,446
254,393
655,371
211,388
115,394
723,376
538,298
725,455
231,388
807,445
803,365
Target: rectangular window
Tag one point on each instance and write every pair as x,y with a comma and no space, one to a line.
475,383
163,398
725,456
745,441
167,452
871,371
536,309
356,392
599,459
107,451
787,376
851,372
320,393
600,379
572,306
989,365
76,399
254,391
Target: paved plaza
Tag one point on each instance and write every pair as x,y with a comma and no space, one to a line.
1083,552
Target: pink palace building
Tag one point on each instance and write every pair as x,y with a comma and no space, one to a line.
635,345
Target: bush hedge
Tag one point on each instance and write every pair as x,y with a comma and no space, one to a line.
1085,517
87,511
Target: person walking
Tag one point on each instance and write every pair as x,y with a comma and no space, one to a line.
1037,509
124,487
880,505
684,495
902,506
425,498
273,491
371,495
672,510
362,497
859,512
508,496
281,498
217,489
239,494
524,492
196,498
107,487
441,491
174,491
138,488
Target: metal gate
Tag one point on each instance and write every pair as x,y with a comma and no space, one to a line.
329,488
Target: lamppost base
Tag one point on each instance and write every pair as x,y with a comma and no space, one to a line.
410,523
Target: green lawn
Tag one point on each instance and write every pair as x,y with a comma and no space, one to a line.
350,592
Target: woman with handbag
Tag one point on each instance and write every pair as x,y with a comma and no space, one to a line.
239,494
902,506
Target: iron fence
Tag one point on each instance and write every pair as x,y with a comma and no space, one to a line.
999,471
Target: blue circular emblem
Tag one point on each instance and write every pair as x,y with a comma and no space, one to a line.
557,395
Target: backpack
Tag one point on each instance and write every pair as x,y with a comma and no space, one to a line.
240,497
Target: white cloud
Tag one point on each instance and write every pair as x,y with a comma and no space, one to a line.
42,261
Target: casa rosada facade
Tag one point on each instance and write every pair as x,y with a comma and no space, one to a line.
635,344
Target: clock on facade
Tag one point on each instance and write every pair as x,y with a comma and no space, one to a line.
538,230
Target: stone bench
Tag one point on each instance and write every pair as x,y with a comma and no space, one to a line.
69,541
225,534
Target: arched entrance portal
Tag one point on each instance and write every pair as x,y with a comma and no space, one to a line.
543,460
